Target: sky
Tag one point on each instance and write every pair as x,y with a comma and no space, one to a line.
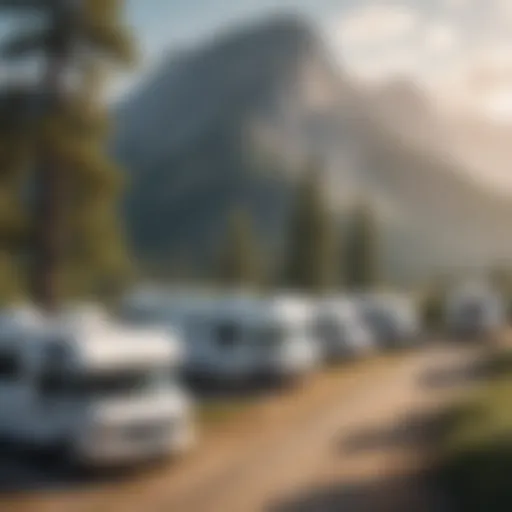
460,49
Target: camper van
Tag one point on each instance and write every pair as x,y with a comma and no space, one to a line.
475,310
97,392
237,337
393,319
242,338
342,331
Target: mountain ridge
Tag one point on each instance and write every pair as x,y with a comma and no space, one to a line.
235,122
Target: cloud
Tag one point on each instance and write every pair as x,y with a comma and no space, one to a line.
480,78
459,51
488,67
504,9
441,37
374,24
457,4
399,61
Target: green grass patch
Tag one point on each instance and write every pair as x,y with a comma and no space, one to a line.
499,365
476,444
218,412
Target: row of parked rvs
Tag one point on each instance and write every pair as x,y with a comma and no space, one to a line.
238,337
107,389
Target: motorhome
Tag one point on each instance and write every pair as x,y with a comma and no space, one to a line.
475,310
237,337
342,331
243,338
393,318
99,393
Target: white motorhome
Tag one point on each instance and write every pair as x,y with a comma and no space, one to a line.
342,330
475,309
103,393
238,337
393,318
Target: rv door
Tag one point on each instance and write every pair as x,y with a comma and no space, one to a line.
56,399
13,388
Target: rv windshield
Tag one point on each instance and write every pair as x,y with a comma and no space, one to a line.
108,385
378,317
328,329
140,316
128,383
270,335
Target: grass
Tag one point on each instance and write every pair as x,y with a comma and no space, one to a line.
476,445
219,412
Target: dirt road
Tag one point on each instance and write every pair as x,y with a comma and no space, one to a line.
360,449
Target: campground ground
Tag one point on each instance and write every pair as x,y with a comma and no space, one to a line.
354,438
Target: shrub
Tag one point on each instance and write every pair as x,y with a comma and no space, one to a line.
477,446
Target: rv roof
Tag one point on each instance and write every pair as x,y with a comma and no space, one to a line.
244,307
252,309
129,348
108,345
20,317
474,291
338,305
85,309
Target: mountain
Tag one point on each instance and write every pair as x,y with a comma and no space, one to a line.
215,129
233,123
484,148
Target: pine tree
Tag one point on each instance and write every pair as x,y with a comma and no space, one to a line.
74,34
14,223
12,232
433,301
95,260
310,260
361,253
241,262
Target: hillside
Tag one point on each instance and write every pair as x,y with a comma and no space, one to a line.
233,122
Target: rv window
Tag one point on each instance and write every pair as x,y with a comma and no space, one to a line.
270,335
140,316
10,366
129,382
53,384
227,335
327,329
55,353
111,384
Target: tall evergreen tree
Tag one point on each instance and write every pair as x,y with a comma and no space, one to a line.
361,255
67,33
241,262
12,231
14,223
95,259
311,262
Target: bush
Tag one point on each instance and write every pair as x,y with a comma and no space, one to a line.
432,309
477,446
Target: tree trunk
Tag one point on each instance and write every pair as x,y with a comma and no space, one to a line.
48,234
50,187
